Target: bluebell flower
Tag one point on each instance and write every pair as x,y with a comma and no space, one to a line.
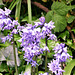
55,67
7,24
7,11
42,19
61,52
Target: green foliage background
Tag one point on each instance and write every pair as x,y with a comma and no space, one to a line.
61,12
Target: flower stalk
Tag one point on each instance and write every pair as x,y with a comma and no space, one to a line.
33,67
30,20
15,60
36,67
46,55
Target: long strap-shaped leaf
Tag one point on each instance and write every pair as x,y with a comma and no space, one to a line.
69,67
13,4
18,7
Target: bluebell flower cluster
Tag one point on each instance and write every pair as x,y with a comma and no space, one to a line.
7,24
61,53
31,36
30,43
55,67
46,28
30,40
61,56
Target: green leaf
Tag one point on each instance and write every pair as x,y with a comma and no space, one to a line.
70,19
64,35
49,16
13,4
41,71
42,43
73,7
18,8
3,67
69,42
28,69
73,30
33,19
4,44
59,22
6,54
39,60
60,8
69,67
16,38
51,44
25,19
5,32
74,72
1,74
1,2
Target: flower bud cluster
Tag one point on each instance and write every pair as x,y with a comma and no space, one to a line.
61,56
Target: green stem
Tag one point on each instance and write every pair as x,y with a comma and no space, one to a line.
30,20
46,56
36,70
29,11
15,56
33,68
46,61
36,67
